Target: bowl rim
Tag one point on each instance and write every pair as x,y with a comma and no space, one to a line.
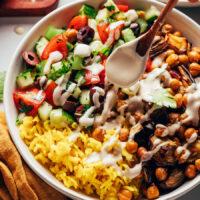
70,192
184,3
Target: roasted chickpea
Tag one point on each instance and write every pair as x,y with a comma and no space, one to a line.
138,116
131,146
98,134
175,84
177,33
123,135
71,34
167,28
194,56
125,195
189,132
194,69
183,59
172,60
159,132
161,174
169,52
174,117
185,100
141,151
190,171
197,164
153,192
197,49
179,99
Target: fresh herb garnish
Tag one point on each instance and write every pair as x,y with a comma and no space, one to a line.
162,97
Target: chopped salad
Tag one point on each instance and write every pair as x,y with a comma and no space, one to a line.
156,121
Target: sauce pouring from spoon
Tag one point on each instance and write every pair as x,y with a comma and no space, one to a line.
127,63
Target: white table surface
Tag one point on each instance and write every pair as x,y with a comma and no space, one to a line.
9,41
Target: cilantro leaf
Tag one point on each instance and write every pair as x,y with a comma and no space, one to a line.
163,98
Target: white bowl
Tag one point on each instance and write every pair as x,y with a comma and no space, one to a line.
184,3
59,18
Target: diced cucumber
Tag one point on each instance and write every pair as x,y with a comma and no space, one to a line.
70,46
76,93
143,25
41,44
96,46
111,6
60,119
80,77
88,11
118,44
151,14
25,79
93,24
76,62
40,68
102,15
85,97
20,118
44,111
58,69
53,31
128,35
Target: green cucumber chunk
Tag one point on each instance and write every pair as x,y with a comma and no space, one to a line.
88,11
128,35
80,77
25,79
143,25
40,46
44,111
60,119
76,62
151,14
85,97
53,31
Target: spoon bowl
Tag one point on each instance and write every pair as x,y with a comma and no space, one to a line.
127,63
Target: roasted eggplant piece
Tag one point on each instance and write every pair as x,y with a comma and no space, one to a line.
178,44
166,155
174,180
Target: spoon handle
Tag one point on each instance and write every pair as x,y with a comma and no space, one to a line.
145,42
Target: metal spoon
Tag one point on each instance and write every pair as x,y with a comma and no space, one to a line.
126,64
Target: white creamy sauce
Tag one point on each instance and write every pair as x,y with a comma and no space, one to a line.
131,15
82,50
39,96
95,68
42,81
86,120
110,101
98,92
193,104
54,57
169,130
158,61
114,25
124,66
134,130
59,97
67,94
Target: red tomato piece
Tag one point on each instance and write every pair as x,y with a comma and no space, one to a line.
91,79
57,43
49,92
123,8
149,65
103,31
28,101
78,22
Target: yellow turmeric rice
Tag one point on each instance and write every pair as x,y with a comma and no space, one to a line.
65,157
